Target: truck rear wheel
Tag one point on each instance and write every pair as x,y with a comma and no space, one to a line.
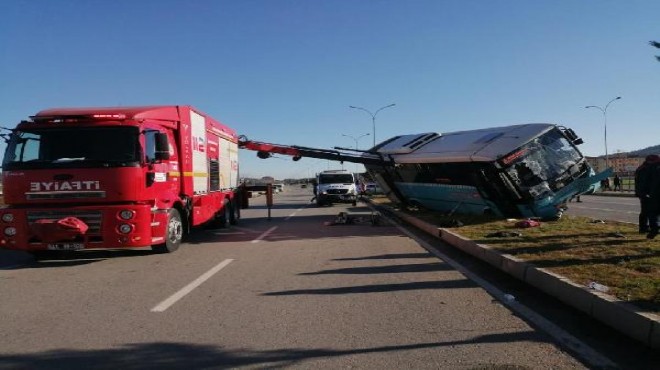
173,235
235,212
224,218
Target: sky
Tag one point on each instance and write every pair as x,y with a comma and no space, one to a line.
286,71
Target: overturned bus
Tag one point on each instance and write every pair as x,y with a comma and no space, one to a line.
528,170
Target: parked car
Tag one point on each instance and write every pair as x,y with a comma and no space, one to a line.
372,188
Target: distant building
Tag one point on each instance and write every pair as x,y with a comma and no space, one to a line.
621,163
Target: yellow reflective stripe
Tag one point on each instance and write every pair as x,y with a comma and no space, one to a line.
195,174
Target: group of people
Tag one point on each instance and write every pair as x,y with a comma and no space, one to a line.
605,183
647,189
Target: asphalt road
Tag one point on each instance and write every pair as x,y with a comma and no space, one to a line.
614,208
293,291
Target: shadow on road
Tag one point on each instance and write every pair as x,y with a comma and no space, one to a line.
179,355
391,269
387,257
360,289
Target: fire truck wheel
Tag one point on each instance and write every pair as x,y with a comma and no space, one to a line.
225,217
174,233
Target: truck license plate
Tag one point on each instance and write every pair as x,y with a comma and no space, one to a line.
65,246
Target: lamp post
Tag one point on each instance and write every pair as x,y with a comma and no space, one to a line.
356,142
355,139
604,110
373,116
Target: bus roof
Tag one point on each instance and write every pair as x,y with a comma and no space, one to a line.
482,145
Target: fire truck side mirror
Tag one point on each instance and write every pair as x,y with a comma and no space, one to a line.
162,147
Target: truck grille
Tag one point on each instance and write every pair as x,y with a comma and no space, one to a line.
91,218
337,191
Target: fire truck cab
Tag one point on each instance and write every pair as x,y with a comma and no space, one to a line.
121,177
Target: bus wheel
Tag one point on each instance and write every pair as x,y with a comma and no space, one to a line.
174,233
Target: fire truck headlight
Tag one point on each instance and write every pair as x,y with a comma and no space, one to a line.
10,231
126,214
8,217
125,228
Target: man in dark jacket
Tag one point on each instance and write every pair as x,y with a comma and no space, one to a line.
643,190
647,189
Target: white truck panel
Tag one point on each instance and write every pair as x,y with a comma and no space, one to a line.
200,162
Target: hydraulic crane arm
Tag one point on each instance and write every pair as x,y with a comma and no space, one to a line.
266,150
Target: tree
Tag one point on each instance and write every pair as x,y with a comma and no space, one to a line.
657,45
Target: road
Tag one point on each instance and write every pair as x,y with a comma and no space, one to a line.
294,291
614,208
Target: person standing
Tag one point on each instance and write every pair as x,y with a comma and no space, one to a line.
642,192
645,176
617,183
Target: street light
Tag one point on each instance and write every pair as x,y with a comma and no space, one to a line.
355,139
373,116
604,110
356,143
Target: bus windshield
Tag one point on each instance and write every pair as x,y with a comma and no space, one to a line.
544,165
75,146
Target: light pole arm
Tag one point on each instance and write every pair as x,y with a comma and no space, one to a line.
360,108
610,102
387,106
604,111
373,117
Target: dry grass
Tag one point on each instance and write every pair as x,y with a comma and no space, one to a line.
610,253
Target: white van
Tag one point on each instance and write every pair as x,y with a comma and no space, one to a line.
335,186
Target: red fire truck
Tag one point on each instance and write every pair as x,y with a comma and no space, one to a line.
77,178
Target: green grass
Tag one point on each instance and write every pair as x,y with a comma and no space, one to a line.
610,253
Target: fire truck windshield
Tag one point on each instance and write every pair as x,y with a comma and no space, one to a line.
73,147
545,164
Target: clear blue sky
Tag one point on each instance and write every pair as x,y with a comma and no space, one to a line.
286,71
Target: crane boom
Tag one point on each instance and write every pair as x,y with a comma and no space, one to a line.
266,150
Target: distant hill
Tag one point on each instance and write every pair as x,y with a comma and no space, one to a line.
637,153
646,151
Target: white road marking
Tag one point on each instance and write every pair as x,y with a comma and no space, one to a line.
592,356
164,305
229,233
294,213
265,234
243,229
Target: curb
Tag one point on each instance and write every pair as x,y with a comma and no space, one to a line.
627,319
